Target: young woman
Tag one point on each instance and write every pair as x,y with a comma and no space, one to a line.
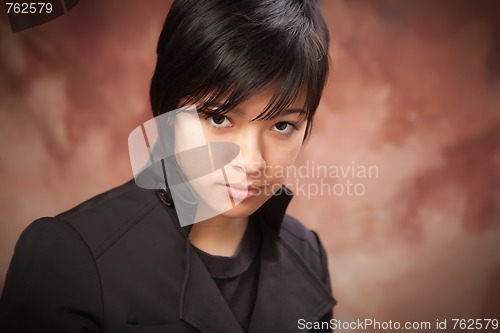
123,261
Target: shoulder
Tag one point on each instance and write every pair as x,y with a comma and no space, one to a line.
125,201
101,221
105,218
47,233
51,265
47,238
96,218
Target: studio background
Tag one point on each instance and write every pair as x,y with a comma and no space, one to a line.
414,93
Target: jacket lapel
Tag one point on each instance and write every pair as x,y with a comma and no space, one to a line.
202,304
287,292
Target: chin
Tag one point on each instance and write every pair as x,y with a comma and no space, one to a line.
245,208
240,211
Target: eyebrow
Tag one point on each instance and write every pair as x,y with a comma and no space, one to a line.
288,112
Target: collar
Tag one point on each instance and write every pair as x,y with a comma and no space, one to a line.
272,211
288,289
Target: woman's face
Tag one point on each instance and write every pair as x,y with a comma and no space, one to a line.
267,147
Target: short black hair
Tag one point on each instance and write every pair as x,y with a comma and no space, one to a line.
226,51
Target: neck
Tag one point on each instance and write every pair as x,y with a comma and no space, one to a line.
218,235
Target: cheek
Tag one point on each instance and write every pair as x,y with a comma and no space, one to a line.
188,132
188,135
282,156
284,153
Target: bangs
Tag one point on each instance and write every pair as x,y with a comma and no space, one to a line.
288,75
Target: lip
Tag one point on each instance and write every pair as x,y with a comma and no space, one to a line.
241,192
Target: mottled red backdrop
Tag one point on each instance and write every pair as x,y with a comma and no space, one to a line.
414,98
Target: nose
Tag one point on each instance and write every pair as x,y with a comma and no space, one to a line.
253,155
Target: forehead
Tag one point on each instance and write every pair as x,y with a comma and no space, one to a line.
264,98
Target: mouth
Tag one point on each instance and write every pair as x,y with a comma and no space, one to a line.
240,192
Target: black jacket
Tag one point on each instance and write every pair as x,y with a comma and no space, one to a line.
120,262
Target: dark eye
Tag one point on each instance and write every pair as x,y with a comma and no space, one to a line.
283,127
218,119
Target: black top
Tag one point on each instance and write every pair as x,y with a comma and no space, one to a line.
237,276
